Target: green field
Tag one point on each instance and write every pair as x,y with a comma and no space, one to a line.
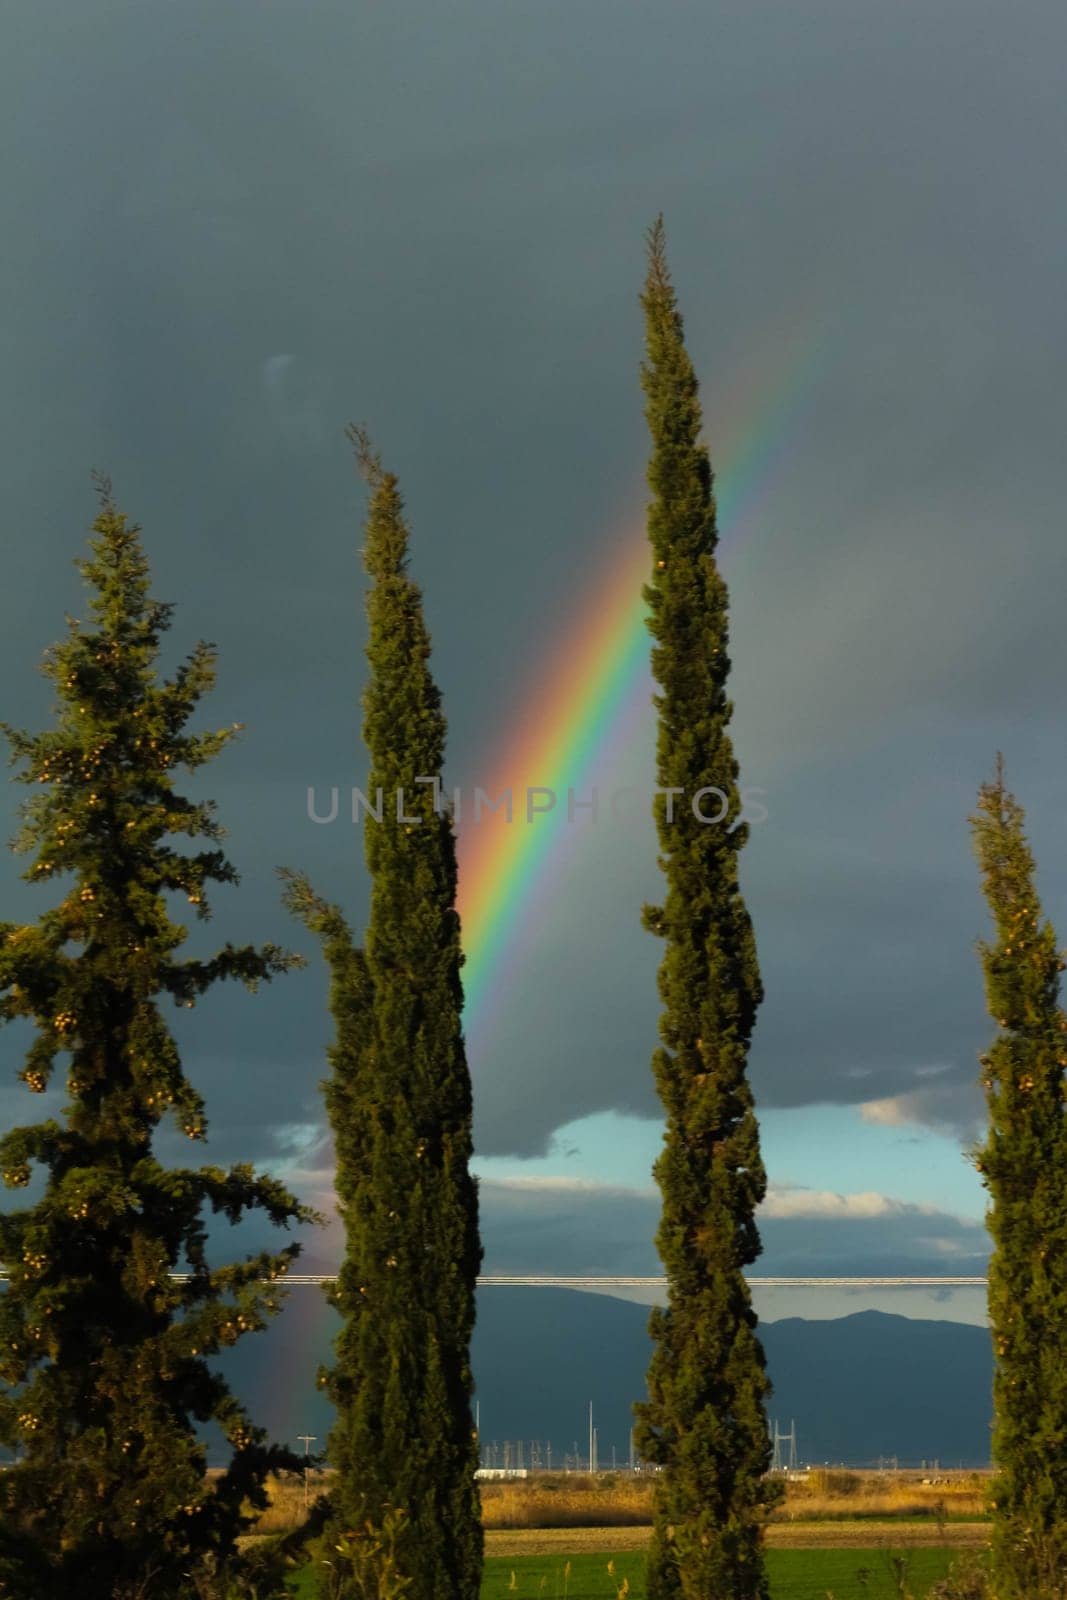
795,1575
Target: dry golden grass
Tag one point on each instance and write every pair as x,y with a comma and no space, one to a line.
286,1509
569,1500
572,1500
841,1494
780,1536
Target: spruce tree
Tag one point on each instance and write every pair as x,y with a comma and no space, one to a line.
1023,1164
399,1104
102,1351
704,1422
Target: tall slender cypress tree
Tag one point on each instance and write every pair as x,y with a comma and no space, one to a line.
1023,1164
704,1422
103,1352
399,1103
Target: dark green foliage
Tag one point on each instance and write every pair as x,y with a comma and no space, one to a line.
1023,1164
399,1102
102,1351
704,1422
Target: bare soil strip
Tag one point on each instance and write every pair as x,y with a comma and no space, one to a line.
897,1534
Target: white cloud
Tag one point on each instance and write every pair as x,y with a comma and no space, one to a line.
305,1162
550,1184
786,1202
896,1111
951,1108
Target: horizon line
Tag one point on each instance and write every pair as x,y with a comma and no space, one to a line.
549,1281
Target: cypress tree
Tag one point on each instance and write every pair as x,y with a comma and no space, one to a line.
1023,1164
399,1103
102,1352
704,1421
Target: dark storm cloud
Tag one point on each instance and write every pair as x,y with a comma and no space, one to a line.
228,229
577,1229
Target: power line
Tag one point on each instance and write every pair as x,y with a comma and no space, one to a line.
781,1461
500,1280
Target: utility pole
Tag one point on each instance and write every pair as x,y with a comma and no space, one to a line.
307,1440
632,1450
591,1445
780,1463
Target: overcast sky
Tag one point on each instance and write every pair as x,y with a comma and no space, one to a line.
229,229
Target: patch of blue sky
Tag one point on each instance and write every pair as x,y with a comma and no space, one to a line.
822,1147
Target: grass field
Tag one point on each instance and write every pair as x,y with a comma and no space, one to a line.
576,1500
563,1542
844,1574
607,1501
835,1536
795,1575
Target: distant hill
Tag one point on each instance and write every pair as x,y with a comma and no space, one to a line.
858,1387
873,1385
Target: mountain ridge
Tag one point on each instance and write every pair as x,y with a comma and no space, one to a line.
859,1387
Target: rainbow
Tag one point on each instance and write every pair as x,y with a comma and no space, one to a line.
597,690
